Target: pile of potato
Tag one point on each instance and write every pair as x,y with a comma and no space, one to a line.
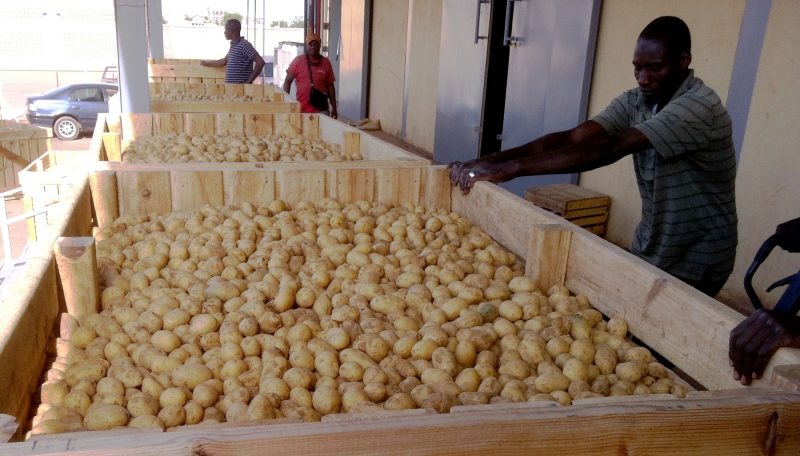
231,148
179,95
260,312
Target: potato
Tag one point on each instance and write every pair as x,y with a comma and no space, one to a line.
146,421
548,383
191,375
104,417
172,415
142,404
400,401
441,402
632,371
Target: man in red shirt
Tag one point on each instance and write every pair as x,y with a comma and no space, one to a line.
322,74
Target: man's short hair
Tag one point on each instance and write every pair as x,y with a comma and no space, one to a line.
671,31
234,24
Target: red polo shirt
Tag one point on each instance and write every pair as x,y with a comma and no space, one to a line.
323,75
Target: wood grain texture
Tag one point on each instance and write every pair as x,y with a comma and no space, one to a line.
230,123
168,123
77,270
136,125
200,124
786,377
192,189
290,125
241,107
112,145
547,255
163,72
301,185
398,185
350,185
258,124
311,127
103,185
756,424
144,192
352,144
437,188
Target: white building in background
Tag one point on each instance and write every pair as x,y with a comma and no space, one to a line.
216,16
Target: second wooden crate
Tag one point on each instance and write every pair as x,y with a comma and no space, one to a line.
581,206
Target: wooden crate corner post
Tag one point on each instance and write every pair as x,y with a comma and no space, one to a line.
103,185
786,377
548,251
77,266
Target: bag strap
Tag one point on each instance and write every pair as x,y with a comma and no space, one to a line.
310,73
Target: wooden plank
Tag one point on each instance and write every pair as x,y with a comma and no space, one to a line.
437,190
234,90
311,127
185,71
77,269
786,377
213,89
230,123
135,125
238,424
352,144
350,185
256,187
168,123
548,253
290,125
200,166
192,189
591,220
278,97
398,185
240,107
301,185
569,215
113,122
144,192
259,124
103,185
757,424
596,229
563,198
112,143
200,124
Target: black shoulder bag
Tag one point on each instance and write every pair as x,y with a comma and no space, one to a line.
317,99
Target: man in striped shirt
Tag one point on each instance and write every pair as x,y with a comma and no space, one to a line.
239,61
679,134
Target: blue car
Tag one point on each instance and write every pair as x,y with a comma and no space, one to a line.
69,109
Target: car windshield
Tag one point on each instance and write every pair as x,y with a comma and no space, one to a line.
87,94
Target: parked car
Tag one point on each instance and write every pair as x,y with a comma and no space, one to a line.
70,109
110,75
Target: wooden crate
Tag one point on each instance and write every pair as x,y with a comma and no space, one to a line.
275,95
20,144
688,328
114,132
183,70
581,206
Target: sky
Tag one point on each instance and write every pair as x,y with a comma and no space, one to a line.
276,9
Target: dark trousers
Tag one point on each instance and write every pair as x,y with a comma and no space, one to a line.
706,286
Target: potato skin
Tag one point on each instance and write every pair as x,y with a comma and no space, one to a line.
104,417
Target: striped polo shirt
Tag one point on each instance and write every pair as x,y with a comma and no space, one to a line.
240,62
686,181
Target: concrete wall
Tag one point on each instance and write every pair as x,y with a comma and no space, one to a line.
715,31
388,63
767,186
388,68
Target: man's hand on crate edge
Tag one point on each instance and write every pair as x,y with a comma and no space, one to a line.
466,174
756,339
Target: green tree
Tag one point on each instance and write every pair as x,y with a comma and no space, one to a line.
297,22
279,24
229,16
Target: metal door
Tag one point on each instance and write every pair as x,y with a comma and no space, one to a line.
335,37
353,58
549,73
462,67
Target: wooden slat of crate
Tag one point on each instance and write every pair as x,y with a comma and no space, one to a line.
169,72
569,215
222,106
596,229
687,327
590,220
563,198
754,424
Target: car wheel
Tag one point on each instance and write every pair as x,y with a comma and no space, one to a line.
67,128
